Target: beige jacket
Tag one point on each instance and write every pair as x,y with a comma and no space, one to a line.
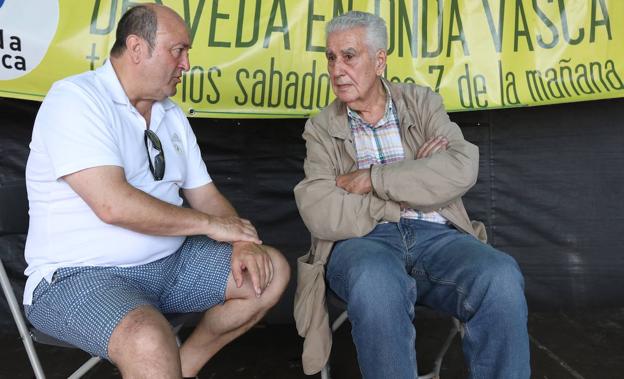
332,214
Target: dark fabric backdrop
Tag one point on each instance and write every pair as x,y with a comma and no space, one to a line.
550,186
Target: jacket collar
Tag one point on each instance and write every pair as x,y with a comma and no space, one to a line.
406,118
339,122
338,119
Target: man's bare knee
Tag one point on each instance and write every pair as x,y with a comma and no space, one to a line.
281,277
273,291
143,340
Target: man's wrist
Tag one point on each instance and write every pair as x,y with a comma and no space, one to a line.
204,223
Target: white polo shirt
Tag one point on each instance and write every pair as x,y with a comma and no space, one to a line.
87,121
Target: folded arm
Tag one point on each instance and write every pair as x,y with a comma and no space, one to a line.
330,212
359,181
430,181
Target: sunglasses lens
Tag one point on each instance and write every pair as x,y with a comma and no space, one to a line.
155,140
157,164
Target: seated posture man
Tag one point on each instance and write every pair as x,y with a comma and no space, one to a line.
107,250
384,175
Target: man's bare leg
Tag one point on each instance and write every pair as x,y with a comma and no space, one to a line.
240,311
143,346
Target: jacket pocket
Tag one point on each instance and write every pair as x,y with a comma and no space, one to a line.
310,293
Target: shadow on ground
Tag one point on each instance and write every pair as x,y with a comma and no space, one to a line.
584,344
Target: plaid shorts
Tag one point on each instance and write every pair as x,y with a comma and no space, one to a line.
83,305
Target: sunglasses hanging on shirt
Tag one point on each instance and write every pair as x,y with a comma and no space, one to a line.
157,167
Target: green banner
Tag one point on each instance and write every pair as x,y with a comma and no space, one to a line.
265,58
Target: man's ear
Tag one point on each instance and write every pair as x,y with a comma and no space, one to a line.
134,47
380,62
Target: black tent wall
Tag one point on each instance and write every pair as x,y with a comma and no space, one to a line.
549,190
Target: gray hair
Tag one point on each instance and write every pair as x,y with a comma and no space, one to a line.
375,26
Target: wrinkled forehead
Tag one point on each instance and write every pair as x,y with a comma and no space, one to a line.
353,39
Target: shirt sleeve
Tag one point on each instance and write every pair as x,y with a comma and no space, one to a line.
329,212
73,129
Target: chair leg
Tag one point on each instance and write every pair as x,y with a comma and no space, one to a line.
176,330
437,364
339,321
325,372
88,365
21,324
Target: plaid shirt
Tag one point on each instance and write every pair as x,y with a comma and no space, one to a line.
380,144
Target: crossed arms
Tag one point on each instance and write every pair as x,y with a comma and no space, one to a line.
359,181
337,202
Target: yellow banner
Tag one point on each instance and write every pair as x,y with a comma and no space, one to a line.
265,58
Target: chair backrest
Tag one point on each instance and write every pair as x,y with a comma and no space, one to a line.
14,221
13,208
13,228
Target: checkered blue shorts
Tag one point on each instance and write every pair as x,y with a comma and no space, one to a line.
82,305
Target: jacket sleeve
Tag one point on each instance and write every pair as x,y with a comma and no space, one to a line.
429,184
329,212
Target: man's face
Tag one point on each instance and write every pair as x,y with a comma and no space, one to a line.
169,58
353,70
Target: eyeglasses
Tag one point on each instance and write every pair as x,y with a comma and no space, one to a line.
158,166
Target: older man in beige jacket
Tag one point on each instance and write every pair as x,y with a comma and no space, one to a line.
384,175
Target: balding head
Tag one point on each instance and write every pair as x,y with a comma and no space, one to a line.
142,21
151,53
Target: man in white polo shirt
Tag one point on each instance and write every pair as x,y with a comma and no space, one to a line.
107,247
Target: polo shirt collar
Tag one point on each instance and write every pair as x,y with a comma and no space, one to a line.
109,78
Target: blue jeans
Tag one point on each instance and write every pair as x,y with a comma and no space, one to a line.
382,275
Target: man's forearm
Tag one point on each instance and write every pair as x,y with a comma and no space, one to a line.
116,202
209,200
136,210
332,214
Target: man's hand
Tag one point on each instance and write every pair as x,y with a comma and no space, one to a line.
432,146
232,228
256,261
358,182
